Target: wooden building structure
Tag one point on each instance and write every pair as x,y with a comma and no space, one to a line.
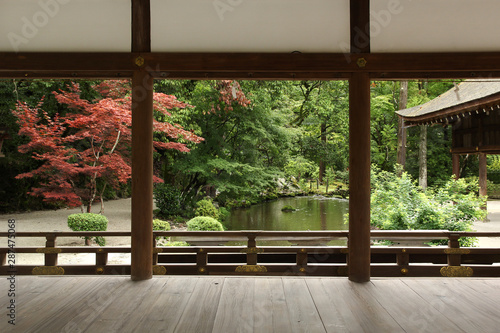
357,40
472,109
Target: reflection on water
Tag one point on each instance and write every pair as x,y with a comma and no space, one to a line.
313,213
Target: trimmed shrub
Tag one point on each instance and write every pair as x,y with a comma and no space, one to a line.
204,223
89,222
167,199
206,207
160,225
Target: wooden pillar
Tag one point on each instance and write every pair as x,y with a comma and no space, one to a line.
483,176
142,147
359,178
455,159
142,176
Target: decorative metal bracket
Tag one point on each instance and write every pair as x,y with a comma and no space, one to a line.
48,270
139,61
252,250
457,271
251,269
361,62
159,270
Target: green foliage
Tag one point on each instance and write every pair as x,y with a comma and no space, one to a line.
399,204
206,207
204,223
167,199
89,222
288,208
160,225
176,243
223,213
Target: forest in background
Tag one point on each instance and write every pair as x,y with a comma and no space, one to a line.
258,135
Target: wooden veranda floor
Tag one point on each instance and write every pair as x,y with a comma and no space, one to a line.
251,304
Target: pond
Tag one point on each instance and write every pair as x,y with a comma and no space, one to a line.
313,213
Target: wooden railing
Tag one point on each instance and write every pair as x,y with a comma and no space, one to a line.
308,254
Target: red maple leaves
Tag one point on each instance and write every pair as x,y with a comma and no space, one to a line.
89,148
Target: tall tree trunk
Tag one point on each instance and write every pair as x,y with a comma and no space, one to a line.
322,166
403,101
422,157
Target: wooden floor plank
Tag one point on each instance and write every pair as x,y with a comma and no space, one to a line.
414,313
302,311
333,310
485,304
368,313
453,305
59,310
170,304
130,303
267,291
254,304
235,310
199,314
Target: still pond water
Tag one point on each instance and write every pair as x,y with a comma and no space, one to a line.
313,213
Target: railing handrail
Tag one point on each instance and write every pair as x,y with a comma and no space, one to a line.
264,233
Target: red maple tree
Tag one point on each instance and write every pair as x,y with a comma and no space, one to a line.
89,148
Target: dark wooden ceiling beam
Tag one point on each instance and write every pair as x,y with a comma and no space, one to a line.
360,26
379,65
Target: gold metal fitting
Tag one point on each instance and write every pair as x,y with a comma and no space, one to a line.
403,250
251,269
457,271
139,61
48,270
201,250
159,270
100,250
303,250
361,62
99,270
404,271
302,270
201,270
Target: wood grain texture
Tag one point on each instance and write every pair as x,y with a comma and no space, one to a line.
253,304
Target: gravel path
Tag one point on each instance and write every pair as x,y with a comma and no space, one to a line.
118,214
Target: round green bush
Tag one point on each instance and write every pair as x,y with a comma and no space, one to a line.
204,223
206,207
160,225
89,222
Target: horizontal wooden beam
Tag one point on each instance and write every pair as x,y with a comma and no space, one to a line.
252,65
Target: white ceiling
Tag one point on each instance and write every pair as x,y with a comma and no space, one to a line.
435,25
248,25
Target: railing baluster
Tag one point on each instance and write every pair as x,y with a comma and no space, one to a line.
302,260
101,258
453,243
252,246
50,258
201,261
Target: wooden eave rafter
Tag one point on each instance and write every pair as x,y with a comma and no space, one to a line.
279,66
482,105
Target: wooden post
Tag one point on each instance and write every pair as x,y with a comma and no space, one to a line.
483,176
359,178
142,176
50,258
483,189
142,147
456,165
